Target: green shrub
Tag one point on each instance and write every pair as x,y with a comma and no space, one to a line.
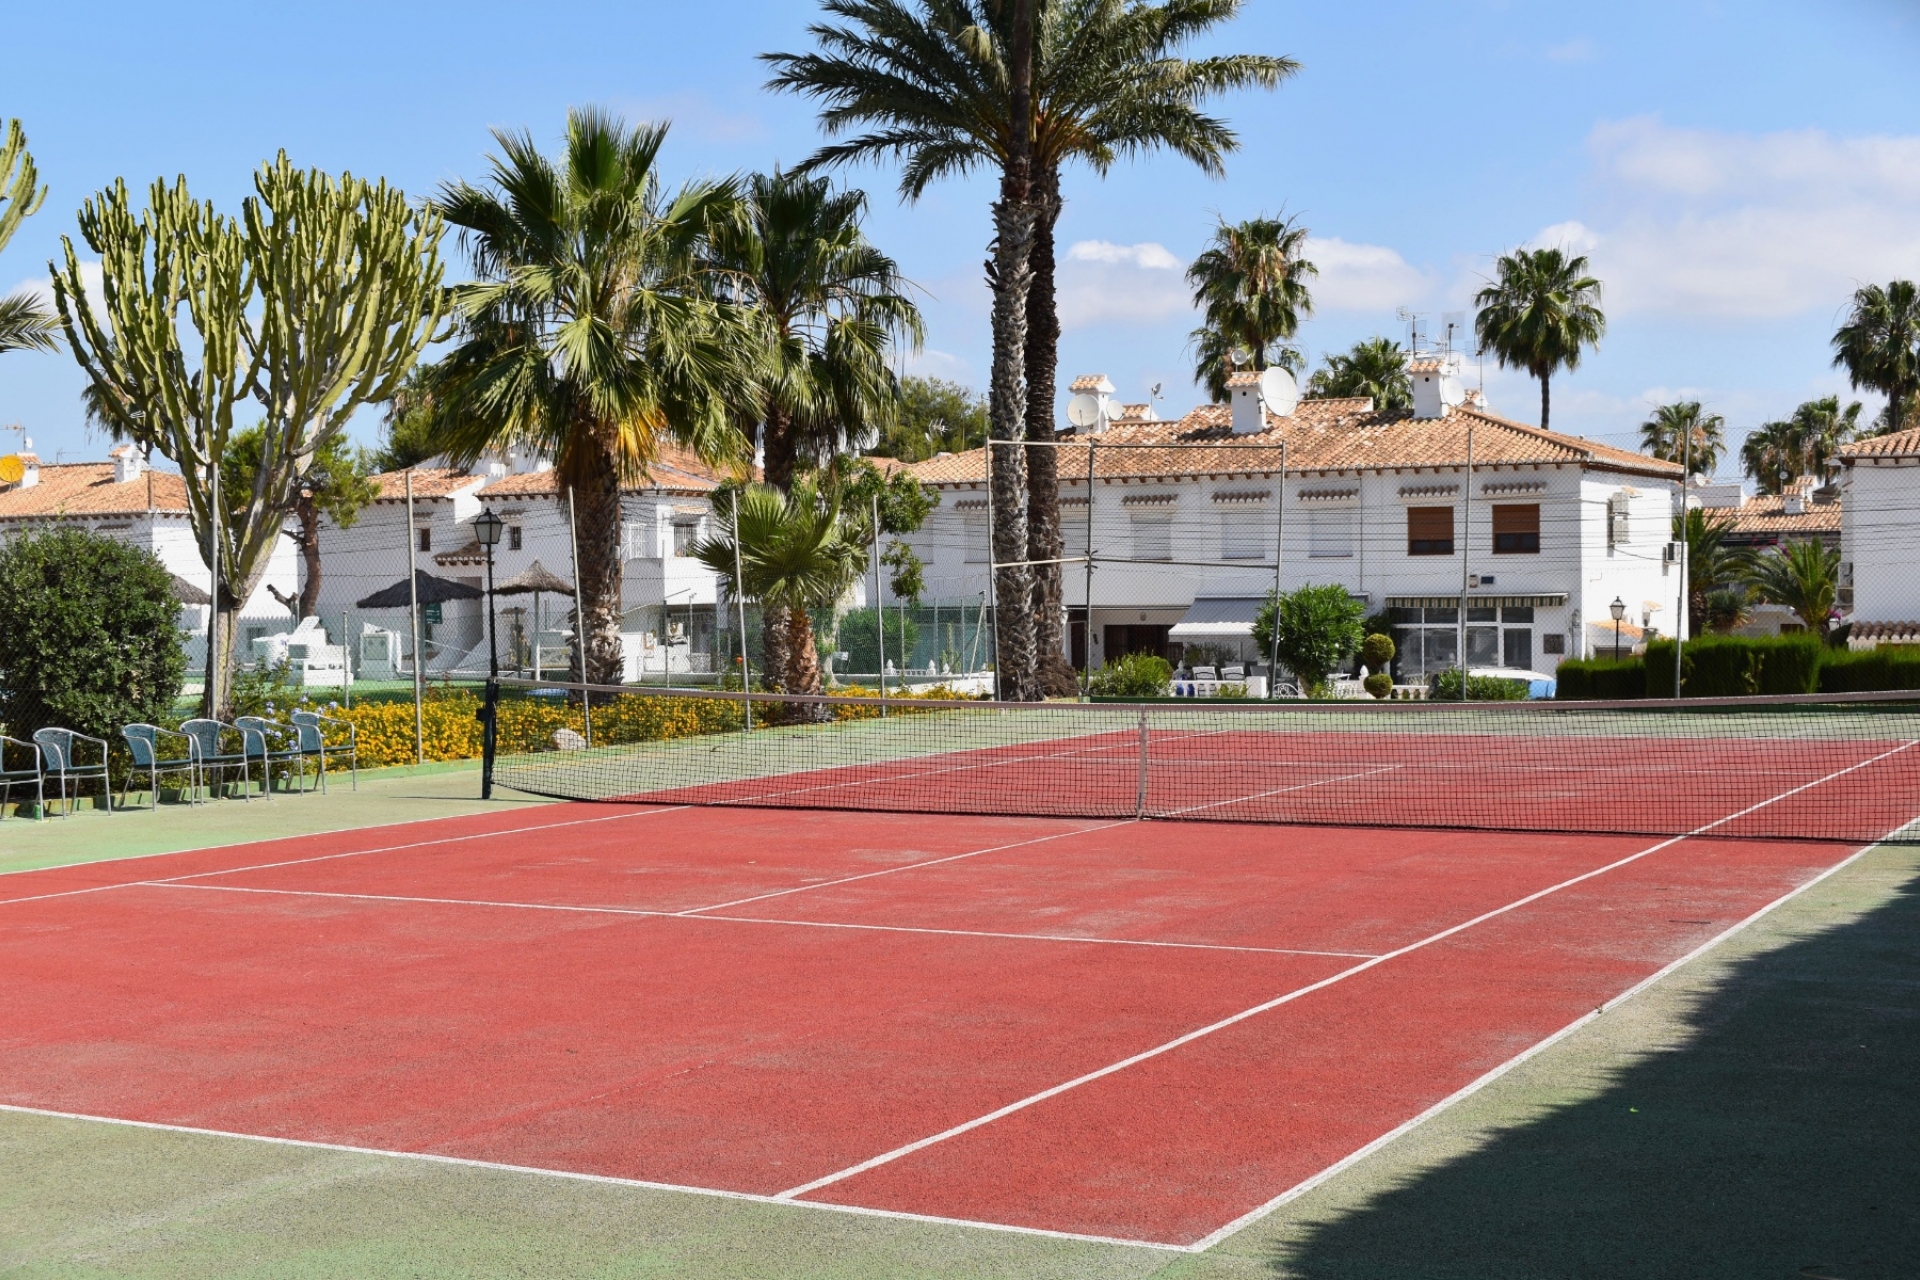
1319,631
88,635
860,639
1379,684
1377,650
1736,666
1888,667
1446,688
1137,675
1590,679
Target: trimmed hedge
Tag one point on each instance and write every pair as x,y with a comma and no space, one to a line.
1846,671
1741,666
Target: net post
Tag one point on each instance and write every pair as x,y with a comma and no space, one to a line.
1086,595
489,721
880,609
413,622
1140,784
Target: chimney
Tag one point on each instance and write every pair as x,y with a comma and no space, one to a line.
1795,504
30,473
1249,411
126,464
1100,389
1436,384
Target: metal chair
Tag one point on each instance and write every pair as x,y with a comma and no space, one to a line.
12,776
311,727
146,742
206,749
263,740
59,761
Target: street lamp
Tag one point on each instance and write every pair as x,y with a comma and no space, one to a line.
486,530
1619,610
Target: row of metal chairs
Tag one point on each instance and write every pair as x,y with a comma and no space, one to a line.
207,753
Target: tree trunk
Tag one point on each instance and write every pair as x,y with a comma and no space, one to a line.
1546,401
774,640
803,655
778,447
307,604
1052,670
218,700
599,512
1013,582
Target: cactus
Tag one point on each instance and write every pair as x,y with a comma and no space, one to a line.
316,301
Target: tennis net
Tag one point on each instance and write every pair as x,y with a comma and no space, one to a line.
1840,767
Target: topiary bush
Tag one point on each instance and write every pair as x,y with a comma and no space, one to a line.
1377,650
1136,675
1379,684
88,635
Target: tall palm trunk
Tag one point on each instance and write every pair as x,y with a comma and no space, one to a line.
1546,399
777,445
1009,273
780,650
803,654
599,534
1052,669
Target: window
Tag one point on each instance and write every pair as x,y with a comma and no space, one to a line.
425,537
1429,531
1553,642
636,540
1517,613
976,535
1516,528
1330,534
1617,521
1073,532
1482,613
1517,644
1483,646
514,536
685,534
1243,535
1153,535
1442,648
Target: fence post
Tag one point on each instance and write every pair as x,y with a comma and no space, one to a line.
413,617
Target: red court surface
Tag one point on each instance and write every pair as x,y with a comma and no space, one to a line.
1141,1031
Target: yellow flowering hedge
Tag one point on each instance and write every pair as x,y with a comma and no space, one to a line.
451,727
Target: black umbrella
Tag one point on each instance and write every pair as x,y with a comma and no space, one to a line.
431,590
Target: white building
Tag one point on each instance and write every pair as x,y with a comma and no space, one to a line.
125,499
1880,534
1183,517
668,598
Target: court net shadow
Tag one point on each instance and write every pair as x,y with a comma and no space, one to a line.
1777,1136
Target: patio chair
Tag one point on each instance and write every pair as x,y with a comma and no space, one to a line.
1205,673
147,742
13,775
214,760
60,751
271,743
1234,674
311,726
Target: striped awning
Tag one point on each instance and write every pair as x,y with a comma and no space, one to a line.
1542,600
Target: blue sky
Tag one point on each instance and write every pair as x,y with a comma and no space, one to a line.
1734,170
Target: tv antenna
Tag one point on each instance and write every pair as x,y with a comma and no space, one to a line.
1412,320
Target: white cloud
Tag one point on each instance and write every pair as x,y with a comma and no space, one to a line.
1703,223
1363,277
1100,282
931,363
1580,49
40,287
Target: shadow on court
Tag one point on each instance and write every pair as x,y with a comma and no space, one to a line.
1781,1138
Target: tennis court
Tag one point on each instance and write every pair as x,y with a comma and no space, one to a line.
1132,1029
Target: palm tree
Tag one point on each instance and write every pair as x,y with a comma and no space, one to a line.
1250,284
1666,434
1539,315
1803,444
795,554
1802,575
25,323
1376,368
1879,345
833,306
1711,564
589,333
927,83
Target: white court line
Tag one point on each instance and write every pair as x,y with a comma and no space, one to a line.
910,866
1301,1188
1277,791
888,1157
601,1179
351,853
788,924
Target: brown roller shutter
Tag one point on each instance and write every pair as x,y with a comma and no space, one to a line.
1429,531
1516,527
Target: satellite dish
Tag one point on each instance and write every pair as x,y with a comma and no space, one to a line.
1451,391
1083,411
12,470
1278,391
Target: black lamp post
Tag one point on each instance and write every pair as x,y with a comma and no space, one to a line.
1619,610
486,529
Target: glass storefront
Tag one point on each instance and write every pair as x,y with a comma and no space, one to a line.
1429,639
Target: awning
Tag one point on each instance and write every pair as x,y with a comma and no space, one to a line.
1217,618
1540,600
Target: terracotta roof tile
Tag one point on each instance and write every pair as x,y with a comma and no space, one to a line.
428,482
1766,516
88,489
1321,435
675,471
1898,444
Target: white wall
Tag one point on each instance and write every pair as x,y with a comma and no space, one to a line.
1880,539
